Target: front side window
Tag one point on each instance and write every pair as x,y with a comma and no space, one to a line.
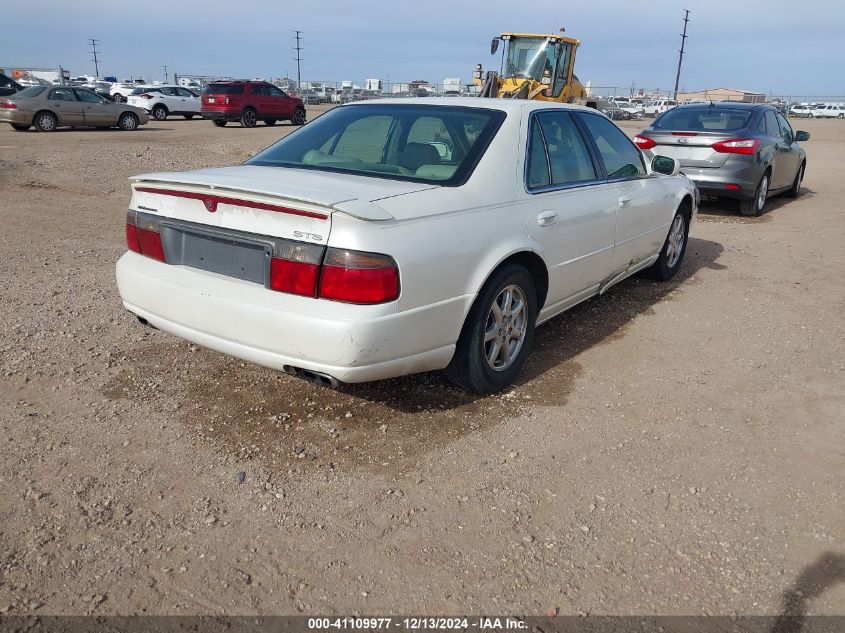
275,92
772,128
620,156
259,89
785,130
432,144
562,151
87,97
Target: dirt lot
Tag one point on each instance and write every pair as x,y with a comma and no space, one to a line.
673,449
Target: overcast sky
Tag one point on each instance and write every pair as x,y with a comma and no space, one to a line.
781,46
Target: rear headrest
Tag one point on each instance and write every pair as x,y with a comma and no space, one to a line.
418,154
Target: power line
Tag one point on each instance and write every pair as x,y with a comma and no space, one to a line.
298,58
95,59
681,55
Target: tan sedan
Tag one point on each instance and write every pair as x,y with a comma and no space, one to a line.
51,107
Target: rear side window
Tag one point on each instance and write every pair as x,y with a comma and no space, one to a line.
562,152
32,91
704,118
225,89
621,157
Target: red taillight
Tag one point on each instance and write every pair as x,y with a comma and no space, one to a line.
298,278
643,142
295,268
132,238
355,277
142,236
8,105
737,146
150,242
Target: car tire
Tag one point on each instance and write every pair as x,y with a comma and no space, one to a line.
841,116
20,128
159,112
795,189
270,122
188,116
45,121
496,313
220,122
118,98
248,118
754,207
298,117
128,121
674,248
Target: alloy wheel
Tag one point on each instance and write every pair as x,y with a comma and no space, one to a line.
505,328
675,242
762,193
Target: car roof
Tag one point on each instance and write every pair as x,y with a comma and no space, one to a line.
505,105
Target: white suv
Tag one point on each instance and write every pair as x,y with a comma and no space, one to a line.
656,108
162,101
828,112
120,92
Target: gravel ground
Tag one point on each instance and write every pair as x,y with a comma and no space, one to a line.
672,448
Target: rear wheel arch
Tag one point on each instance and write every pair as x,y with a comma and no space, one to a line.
535,266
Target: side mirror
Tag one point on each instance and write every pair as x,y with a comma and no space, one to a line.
665,165
802,136
494,45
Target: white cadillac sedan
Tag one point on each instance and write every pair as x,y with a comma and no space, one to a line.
399,236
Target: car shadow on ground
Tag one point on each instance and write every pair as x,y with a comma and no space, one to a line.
825,572
250,411
550,369
726,210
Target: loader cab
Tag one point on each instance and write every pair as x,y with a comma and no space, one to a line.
546,59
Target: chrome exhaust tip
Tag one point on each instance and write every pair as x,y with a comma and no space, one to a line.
313,376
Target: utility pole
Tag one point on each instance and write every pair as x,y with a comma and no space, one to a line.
298,58
165,73
95,59
681,56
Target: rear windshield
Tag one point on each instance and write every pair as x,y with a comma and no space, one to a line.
33,91
224,89
431,144
704,118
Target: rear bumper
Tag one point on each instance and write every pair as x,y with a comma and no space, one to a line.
245,320
735,179
217,115
17,117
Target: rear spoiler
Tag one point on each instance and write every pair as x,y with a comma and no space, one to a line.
361,209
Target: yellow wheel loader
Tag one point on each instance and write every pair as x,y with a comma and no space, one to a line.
534,66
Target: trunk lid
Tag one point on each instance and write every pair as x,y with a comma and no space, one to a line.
690,149
293,204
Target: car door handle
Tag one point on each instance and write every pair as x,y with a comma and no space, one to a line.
547,218
624,201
